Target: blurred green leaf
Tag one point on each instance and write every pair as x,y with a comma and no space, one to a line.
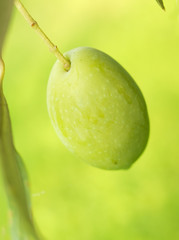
15,177
160,2
5,13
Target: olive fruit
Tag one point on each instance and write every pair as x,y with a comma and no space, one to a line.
97,109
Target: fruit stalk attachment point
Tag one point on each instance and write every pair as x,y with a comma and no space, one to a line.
53,48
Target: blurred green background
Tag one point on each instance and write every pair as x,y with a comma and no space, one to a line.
71,200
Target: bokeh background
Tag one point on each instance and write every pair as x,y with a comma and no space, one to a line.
72,200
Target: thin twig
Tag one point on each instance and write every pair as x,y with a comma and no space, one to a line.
53,48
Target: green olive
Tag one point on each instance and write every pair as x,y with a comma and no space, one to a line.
97,109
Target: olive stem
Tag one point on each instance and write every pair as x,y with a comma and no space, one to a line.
53,48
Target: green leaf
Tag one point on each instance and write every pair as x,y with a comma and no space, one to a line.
15,177
5,14
160,2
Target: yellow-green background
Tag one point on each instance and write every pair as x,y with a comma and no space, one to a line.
71,200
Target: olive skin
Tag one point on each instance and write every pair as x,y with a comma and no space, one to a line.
97,110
